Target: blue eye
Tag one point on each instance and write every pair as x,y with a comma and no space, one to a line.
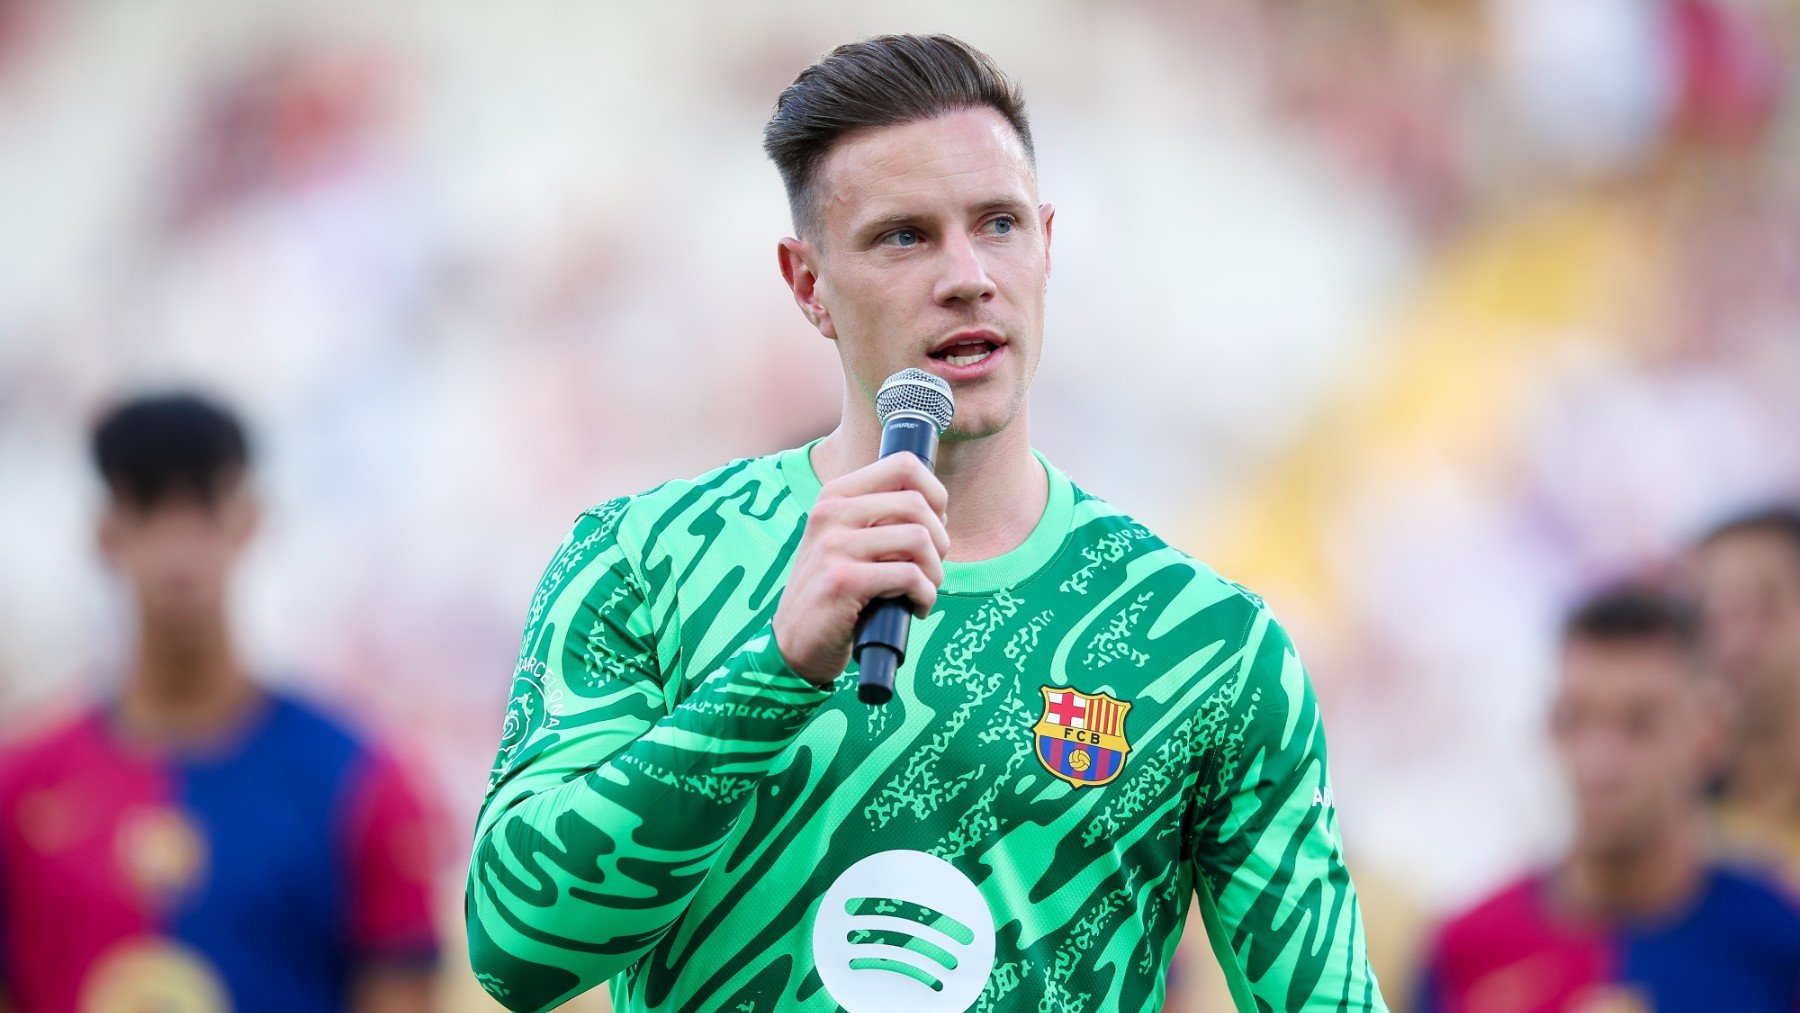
903,237
1002,225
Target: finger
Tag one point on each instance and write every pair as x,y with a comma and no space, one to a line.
870,581
889,508
897,542
892,474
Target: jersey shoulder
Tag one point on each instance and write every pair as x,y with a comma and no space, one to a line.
314,748
1502,915
1755,899
1511,929
699,529
1102,535
52,746
749,489
314,725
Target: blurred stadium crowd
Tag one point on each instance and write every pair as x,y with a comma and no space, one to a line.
1421,317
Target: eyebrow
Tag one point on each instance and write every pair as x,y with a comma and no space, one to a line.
1014,204
896,219
885,222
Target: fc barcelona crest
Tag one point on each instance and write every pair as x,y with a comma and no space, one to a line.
1081,737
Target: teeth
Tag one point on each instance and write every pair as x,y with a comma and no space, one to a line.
967,360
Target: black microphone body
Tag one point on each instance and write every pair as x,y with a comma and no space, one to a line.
914,407
881,630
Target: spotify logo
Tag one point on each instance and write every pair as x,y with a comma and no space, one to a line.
903,932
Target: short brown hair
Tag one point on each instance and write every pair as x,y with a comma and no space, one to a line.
1634,613
880,82
1779,519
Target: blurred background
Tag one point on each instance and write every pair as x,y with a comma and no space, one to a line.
1418,317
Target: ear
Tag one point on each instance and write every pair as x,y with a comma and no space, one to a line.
1047,218
799,260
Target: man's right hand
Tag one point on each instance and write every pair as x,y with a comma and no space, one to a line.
877,532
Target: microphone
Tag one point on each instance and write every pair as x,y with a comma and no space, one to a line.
914,407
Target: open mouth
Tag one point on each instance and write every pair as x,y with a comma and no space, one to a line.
965,353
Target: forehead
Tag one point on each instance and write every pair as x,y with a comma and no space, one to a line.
1648,670
967,156
1750,555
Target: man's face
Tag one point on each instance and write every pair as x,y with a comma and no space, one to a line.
1749,586
1636,733
177,556
930,250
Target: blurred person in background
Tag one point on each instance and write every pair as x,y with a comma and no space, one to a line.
1747,575
1637,915
198,841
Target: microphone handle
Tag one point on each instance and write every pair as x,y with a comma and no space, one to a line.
880,646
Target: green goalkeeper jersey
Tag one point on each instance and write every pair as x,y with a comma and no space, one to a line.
1087,733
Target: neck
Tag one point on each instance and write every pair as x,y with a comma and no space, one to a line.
185,682
997,489
1647,880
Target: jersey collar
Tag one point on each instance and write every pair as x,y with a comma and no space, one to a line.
976,577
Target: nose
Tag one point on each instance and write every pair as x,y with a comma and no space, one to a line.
1601,761
964,277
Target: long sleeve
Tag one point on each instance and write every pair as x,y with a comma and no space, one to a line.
1275,895
611,793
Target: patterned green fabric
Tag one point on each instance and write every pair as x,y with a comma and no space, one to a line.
674,810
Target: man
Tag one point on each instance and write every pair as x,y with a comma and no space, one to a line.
1089,726
198,842
1635,916
1747,574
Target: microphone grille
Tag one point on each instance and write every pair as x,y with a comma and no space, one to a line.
916,392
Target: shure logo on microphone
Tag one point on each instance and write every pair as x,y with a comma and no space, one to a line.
903,932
